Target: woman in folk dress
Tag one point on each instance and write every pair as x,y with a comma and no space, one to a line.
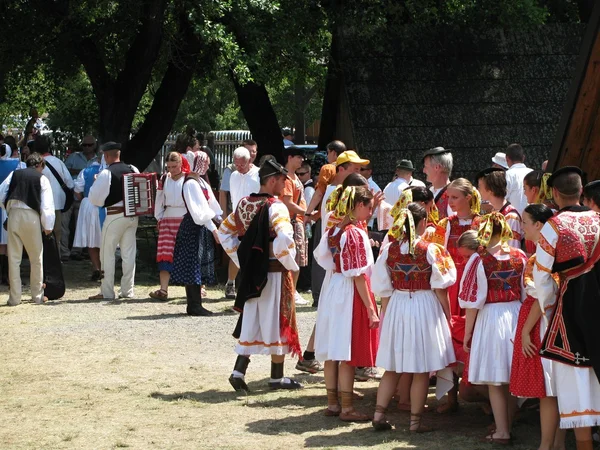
411,276
491,292
347,320
531,375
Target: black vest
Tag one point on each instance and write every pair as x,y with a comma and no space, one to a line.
26,187
117,170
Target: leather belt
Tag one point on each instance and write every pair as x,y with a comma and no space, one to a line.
112,210
276,266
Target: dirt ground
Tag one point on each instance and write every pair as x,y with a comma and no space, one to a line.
141,374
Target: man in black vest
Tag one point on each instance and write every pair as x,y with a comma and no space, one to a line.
27,197
107,191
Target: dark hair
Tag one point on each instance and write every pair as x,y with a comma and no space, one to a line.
336,146
34,160
343,165
200,137
515,152
418,211
249,142
307,165
591,191
362,195
3,150
495,182
568,184
264,158
11,141
539,212
354,179
534,178
42,144
420,194
184,141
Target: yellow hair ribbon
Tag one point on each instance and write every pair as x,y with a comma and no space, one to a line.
434,214
398,230
334,198
405,198
486,228
345,205
475,202
545,193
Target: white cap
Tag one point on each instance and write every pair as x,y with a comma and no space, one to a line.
500,159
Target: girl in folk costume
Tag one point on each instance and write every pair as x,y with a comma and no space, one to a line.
465,200
491,291
537,191
169,209
88,232
416,194
347,320
193,256
411,276
532,376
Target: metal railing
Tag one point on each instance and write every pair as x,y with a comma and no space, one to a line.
223,143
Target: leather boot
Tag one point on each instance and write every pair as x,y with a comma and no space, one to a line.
194,301
237,381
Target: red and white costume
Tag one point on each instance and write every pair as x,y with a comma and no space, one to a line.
493,284
513,219
342,327
169,209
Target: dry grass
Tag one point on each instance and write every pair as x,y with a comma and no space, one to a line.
141,374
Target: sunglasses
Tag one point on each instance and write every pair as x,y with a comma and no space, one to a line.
87,145
364,169
301,174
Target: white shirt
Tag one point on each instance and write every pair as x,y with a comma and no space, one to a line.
101,188
47,215
514,186
375,188
197,205
394,189
57,193
415,182
242,185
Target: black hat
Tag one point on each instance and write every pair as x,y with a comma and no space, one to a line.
405,164
271,167
435,151
592,185
110,145
487,171
292,150
562,171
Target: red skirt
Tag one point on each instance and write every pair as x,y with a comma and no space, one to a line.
457,320
527,374
167,234
365,341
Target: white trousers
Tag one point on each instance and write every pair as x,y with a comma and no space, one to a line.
118,230
24,230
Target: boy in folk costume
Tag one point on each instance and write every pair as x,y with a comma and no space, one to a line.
411,276
569,246
259,238
491,291
347,320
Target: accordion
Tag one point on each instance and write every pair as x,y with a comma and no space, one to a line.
139,192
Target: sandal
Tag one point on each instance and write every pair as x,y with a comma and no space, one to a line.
381,424
331,413
353,416
420,427
500,441
98,297
448,407
159,294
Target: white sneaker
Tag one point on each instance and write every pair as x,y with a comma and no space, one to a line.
300,300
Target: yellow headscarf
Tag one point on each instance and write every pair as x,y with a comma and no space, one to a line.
475,202
486,228
334,198
345,205
434,214
405,198
398,230
545,193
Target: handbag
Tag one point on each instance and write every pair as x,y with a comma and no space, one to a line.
67,190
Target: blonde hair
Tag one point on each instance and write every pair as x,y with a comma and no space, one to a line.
173,157
466,188
469,240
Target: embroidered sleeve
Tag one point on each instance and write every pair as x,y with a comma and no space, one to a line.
545,285
228,236
323,255
356,256
384,216
473,286
514,222
381,282
284,247
443,271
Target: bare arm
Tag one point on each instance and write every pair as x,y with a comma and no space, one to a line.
314,202
291,206
534,316
223,201
471,317
363,291
384,303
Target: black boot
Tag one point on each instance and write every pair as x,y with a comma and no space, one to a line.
4,269
194,301
238,383
278,381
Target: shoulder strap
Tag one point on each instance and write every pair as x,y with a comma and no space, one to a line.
439,194
56,175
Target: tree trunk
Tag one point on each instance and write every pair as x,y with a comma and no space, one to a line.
331,98
299,117
260,116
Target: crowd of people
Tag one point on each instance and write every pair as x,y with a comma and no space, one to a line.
487,288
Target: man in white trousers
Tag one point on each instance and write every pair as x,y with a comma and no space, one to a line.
107,191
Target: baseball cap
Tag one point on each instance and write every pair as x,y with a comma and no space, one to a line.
351,157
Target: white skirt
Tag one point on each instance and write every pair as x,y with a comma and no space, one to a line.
578,392
260,333
492,343
547,364
333,332
87,232
415,336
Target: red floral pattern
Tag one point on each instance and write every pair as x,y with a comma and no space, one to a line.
408,272
247,209
503,276
469,285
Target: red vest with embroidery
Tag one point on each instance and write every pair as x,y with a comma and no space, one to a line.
576,238
247,209
410,273
441,201
456,229
503,277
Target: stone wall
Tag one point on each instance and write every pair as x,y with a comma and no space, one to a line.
473,92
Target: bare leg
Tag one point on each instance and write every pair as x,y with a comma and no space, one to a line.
295,276
310,347
583,437
94,257
232,271
499,401
403,391
560,439
549,422
385,392
164,277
